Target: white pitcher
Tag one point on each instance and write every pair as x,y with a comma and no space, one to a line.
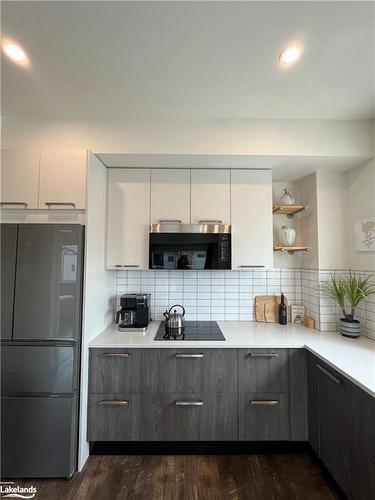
287,236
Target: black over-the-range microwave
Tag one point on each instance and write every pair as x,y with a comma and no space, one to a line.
190,246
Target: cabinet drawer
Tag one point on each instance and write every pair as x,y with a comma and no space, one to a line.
115,370
263,417
206,371
184,417
364,422
114,417
263,370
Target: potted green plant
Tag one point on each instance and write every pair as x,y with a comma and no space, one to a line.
350,290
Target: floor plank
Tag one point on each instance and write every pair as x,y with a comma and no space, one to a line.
191,477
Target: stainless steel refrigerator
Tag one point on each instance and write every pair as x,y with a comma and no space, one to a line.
41,305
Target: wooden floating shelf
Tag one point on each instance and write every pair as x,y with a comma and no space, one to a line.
288,210
291,250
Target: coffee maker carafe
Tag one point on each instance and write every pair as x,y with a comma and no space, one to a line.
135,312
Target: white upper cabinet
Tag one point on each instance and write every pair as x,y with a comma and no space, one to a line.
62,181
210,196
251,201
170,195
128,218
19,178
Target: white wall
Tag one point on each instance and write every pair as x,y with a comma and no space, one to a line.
331,206
309,221
99,285
360,204
216,136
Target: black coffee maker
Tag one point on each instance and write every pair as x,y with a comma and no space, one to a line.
135,311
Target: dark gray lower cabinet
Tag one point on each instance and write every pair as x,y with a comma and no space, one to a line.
363,445
262,370
298,394
263,417
312,403
364,423
210,371
187,417
363,477
115,370
114,417
335,425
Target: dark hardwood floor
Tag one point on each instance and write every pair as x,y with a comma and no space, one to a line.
189,477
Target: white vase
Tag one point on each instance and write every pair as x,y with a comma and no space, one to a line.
287,198
287,236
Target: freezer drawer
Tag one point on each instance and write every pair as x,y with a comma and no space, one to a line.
48,290
39,436
38,369
8,272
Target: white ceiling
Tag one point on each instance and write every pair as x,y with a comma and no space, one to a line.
190,59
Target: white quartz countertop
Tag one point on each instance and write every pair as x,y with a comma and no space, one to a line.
353,358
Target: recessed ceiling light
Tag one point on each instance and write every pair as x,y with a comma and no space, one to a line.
15,52
290,55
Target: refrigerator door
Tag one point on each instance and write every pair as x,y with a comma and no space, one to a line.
8,251
38,436
38,369
48,282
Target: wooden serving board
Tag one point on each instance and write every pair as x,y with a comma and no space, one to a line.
267,308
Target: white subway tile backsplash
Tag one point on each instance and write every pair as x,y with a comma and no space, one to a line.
229,295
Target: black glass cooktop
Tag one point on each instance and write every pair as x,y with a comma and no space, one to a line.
193,331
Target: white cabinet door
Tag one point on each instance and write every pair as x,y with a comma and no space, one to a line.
251,200
128,218
19,178
170,195
62,181
210,196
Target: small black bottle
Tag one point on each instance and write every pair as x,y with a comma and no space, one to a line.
283,311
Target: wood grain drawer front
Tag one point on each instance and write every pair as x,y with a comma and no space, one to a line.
363,422
189,371
262,370
184,417
263,417
114,417
363,473
115,370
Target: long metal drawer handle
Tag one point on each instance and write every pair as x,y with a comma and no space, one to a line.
114,403
251,266
13,203
210,221
115,354
189,403
60,203
170,221
268,402
263,355
200,355
127,265
329,375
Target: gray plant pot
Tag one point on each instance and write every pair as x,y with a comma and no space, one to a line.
350,328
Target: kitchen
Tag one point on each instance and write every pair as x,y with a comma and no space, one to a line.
179,256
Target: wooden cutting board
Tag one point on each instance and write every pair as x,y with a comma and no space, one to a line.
267,308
